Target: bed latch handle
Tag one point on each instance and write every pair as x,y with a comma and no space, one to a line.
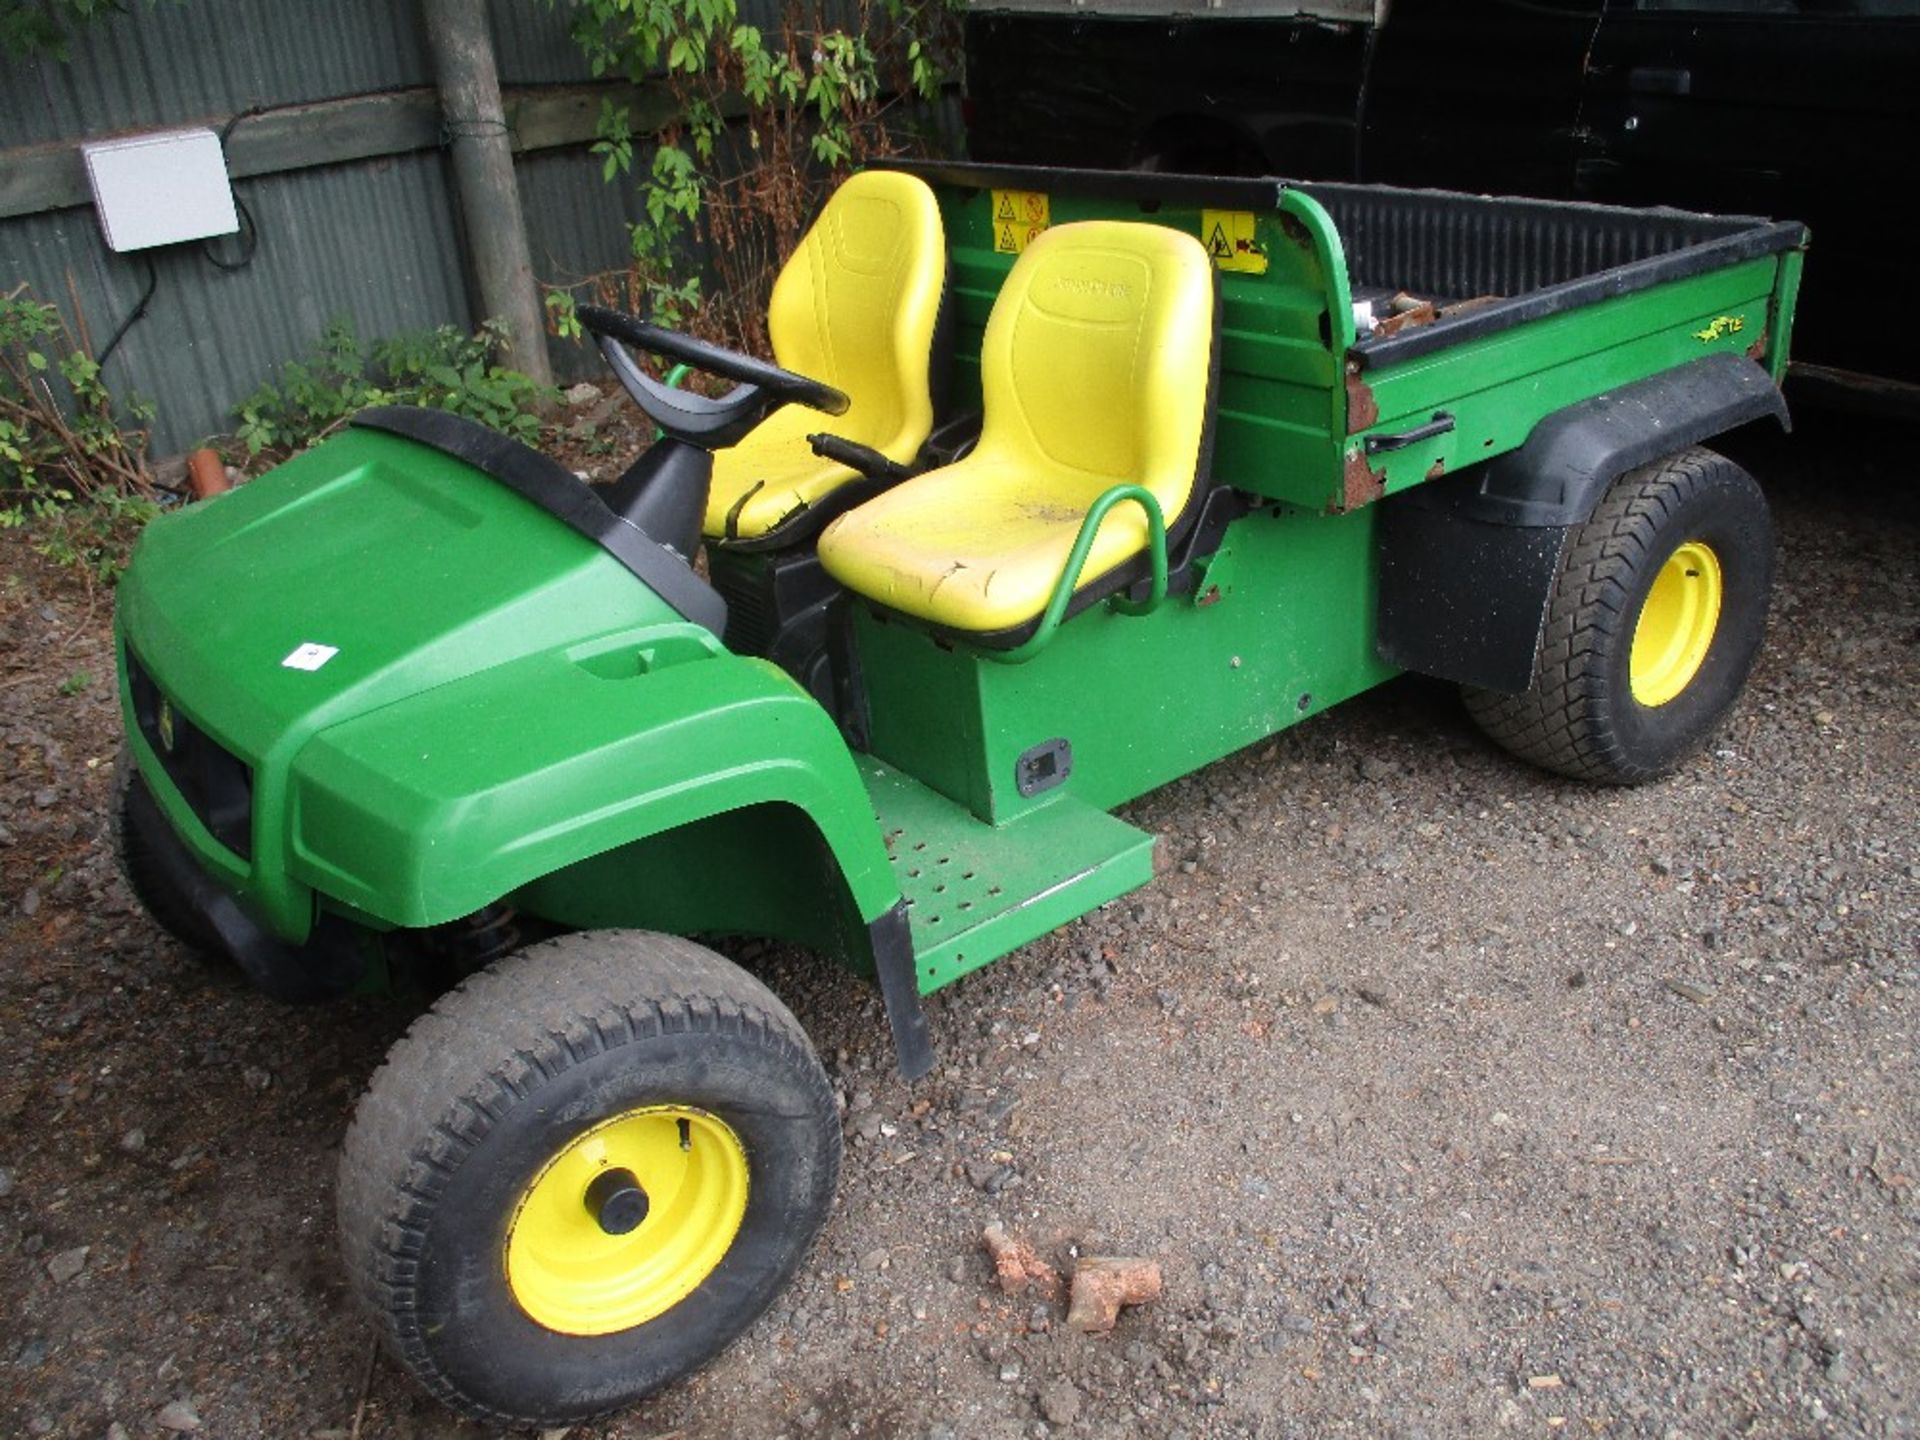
1441,424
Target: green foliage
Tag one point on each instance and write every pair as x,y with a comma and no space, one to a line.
311,395
765,123
35,28
72,465
93,538
563,314
441,369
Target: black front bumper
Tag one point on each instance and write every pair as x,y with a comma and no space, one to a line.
329,964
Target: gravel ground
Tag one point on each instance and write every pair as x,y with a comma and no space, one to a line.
1454,1099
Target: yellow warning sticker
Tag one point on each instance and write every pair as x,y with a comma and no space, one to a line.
1018,216
1228,236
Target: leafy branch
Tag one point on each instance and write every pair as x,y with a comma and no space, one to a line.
33,29
766,122
442,369
72,465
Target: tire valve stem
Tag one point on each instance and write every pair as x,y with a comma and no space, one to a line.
686,1134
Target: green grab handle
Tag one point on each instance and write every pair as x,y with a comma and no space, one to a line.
1056,609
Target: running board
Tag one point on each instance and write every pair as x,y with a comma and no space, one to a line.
975,891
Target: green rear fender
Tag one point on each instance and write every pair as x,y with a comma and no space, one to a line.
430,808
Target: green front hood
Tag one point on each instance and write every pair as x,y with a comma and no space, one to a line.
369,572
412,568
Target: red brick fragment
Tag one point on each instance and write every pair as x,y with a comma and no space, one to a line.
1017,1265
1102,1284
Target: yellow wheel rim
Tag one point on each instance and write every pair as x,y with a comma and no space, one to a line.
573,1274
1676,624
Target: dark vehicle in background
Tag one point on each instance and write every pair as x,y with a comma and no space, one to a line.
1801,108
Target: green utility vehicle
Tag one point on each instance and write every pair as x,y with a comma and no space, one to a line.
1065,484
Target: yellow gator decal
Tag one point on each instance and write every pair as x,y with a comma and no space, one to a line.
1721,325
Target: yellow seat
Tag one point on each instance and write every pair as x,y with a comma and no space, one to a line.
1096,371
855,306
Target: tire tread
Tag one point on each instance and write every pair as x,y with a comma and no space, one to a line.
405,1141
1565,721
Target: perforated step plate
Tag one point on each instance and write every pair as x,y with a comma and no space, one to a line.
976,891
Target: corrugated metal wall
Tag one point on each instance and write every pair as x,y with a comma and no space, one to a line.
165,63
367,241
375,240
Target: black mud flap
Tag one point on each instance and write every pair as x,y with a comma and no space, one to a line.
892,942
1467,563
1462,599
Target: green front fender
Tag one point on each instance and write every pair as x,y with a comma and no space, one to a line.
430,808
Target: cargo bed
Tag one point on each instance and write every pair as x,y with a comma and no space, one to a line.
1514,309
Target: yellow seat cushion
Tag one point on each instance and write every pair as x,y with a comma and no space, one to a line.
855,306
1096,371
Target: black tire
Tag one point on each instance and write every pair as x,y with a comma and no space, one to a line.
167,909
502,1076
1582,718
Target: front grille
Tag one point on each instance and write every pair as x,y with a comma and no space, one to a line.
215,783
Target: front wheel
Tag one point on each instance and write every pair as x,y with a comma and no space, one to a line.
1654,623
583,1172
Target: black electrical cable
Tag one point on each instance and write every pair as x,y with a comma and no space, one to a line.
250,241
250,232
226,130
140,309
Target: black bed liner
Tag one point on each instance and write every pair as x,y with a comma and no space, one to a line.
1543,257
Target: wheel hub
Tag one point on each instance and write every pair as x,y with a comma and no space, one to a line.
616,1201
1676,625
627,1220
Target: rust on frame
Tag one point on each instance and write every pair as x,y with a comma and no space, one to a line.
1361,485
1363,410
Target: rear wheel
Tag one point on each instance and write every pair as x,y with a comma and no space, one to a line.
583,1173
1653,626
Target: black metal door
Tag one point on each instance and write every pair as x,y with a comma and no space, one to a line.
1797,109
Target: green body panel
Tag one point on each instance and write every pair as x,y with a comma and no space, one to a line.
977,891
498,677
1786,299
763,869
426,810
973,891
1280,627
1498,388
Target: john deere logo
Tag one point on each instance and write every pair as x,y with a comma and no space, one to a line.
163,722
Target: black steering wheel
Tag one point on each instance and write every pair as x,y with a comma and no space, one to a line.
710,424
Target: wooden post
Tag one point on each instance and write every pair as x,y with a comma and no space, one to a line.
476,129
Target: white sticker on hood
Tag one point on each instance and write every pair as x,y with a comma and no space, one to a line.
310,656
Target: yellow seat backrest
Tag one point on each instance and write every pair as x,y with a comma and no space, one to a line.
855,306
1097,362
1096,370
